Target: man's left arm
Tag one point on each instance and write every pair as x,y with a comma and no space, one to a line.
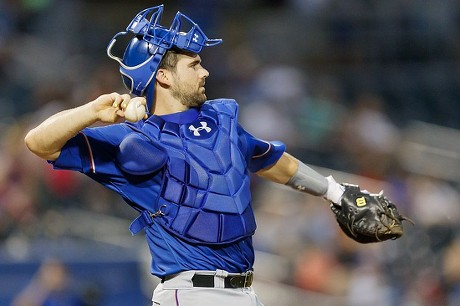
292,172
362,216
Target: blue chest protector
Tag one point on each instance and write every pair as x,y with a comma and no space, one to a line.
205,196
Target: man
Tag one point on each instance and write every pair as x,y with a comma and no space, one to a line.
184,166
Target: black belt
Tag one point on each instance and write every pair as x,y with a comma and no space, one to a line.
231,281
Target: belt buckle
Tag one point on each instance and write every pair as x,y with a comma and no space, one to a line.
242,280
248,277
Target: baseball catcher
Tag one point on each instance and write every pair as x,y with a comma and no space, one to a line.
183,162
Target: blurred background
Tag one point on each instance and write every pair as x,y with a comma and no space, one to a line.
365,90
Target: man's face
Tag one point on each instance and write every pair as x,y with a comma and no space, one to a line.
189,80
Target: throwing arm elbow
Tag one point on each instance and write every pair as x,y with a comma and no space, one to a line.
33,144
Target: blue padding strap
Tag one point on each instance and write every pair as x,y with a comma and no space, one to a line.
145,219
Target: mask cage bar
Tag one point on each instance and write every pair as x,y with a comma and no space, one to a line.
152,32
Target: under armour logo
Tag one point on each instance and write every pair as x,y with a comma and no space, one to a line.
195,37
196,131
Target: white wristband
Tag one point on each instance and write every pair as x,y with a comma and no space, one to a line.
334,191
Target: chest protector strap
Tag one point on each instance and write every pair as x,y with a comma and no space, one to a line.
144,220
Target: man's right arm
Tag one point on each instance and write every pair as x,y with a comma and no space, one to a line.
48,138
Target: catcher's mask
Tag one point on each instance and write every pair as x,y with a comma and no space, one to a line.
146,49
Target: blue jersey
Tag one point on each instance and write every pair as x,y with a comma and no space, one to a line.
94,151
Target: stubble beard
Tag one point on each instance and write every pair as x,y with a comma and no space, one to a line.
188,96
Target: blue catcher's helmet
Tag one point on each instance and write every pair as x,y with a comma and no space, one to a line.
150,43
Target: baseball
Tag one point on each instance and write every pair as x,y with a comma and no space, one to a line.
135,110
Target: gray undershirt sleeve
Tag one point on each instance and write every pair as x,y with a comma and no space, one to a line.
308,180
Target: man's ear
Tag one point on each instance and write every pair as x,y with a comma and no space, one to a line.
163,77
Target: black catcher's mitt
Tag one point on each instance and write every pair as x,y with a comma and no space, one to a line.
366,217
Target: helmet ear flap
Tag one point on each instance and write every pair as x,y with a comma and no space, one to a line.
136,52
138,65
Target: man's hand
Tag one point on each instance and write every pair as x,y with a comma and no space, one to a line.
367,217
48,138
110,108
